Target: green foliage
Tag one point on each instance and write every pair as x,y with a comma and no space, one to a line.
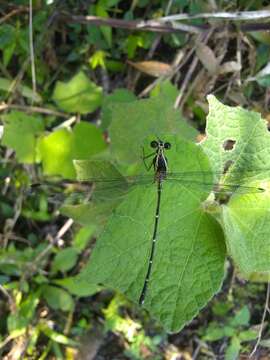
125,250
92,214
62,146
7,42
57,298
130,329
165,89
117,97
18,321
21,132
234,329
78,95
132,217
245,217
104,199
134,42
55,336
106,30
55,149
83,237
30,293
77,287
15,262
252,142
88,140
245,223
47,282
25,134
98,59
6,86
65,260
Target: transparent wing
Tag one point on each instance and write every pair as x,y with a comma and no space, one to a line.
112,188
198,179
57,193
234,177
203,180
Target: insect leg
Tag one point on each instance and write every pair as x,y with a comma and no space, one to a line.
144,157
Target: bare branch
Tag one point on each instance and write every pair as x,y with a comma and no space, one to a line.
238,16
4,106
13,13
150,25
168,24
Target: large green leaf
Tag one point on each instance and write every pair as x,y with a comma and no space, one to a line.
20,133
246,221
165,89
106,195
90,213
132,122
188,266
250,153
118,97
78,95
245,218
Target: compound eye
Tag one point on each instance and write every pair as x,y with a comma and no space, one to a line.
167,145
154,144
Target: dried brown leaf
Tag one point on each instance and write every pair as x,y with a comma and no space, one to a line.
153,68
207,58
230,66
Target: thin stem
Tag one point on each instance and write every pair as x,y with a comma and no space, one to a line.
262,322
4,106
31,45
168,24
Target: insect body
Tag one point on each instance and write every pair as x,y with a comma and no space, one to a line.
160,164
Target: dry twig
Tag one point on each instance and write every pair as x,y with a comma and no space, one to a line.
33,109
238,15
13,13
266,309
31,47
168,24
